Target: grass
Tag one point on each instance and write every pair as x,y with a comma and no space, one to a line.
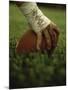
36,69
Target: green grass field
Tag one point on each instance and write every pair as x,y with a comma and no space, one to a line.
36,69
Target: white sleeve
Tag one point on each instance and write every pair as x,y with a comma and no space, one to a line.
34,16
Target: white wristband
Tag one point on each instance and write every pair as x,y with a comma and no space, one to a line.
34,16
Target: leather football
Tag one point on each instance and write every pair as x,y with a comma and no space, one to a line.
27,42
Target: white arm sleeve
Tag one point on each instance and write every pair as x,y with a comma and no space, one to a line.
34,16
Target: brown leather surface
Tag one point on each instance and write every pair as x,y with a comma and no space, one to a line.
27,43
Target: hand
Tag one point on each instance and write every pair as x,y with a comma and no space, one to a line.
51,34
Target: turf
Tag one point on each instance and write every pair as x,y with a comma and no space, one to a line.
36,69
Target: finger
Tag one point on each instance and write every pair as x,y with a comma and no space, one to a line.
55,39
53,42
54,35
48,39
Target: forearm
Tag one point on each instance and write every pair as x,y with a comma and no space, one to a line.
33,14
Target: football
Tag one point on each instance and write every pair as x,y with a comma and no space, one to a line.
27,43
